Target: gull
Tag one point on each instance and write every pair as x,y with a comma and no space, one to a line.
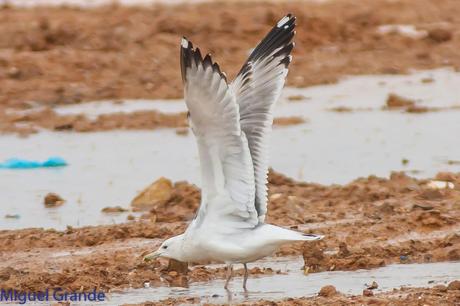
231,123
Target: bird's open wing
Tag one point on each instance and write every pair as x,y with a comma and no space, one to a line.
257,87
228,189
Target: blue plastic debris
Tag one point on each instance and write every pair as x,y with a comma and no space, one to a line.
17,163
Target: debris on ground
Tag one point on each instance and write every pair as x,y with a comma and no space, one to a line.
114,209
19,163
53,199
157,193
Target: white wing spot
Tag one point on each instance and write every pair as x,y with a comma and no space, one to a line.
282,21
184,43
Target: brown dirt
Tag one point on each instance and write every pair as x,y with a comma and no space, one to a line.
285,121
52,56
405,222
28,122
439,295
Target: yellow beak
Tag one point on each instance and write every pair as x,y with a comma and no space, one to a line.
152,256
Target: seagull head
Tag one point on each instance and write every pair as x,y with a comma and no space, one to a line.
170,248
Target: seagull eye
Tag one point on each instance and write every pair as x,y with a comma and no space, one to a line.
165,247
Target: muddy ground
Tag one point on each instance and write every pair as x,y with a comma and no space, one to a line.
439,295
60,56
55,56
368,223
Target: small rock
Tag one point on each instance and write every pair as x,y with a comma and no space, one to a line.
296,98
373,285
130,218
53,199
116,209
403,258
179,281
435,184
173,273
343,249
14,73
158,192
427,80
8,216
395,101
454,285
368,292
328,291
177,267
285,121
341,109
440,288
422,207
446,176
431,194
440,35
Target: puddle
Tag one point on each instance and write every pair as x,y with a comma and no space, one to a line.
330,148
295,284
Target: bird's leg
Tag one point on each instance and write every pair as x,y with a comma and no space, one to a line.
229,275
246,273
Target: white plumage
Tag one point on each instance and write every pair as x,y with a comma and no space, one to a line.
232,123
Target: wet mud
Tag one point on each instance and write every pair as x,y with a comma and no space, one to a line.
368,223
63,55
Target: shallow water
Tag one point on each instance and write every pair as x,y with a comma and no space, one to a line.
293,283
109,168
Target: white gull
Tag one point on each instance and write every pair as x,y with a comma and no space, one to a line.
232,123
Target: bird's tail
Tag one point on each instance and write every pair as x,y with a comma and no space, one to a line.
308,237
284,234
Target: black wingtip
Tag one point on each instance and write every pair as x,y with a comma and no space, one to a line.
280,36
189,54
287,21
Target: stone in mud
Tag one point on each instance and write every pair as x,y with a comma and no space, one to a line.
454,254
454,285
440,35
157,193
297,98
368,292
373,285
431,194
313,256
399,181
285,121
328,291
52,200
177,266
394,101
440,288
343,250
115,209
447,176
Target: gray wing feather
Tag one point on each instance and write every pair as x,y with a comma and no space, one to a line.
257,87
228,188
